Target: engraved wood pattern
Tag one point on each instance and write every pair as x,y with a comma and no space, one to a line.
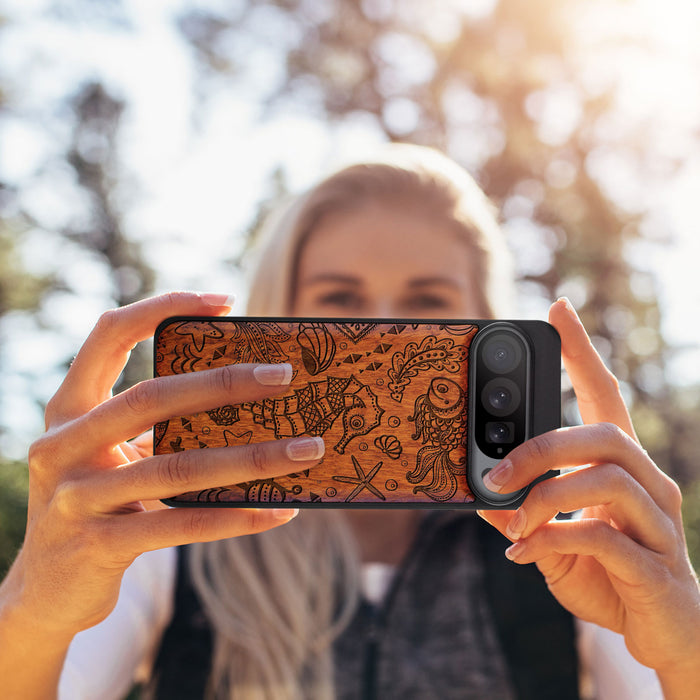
389,399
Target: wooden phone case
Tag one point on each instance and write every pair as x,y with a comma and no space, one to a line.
389,398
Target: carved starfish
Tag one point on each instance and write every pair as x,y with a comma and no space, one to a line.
363,480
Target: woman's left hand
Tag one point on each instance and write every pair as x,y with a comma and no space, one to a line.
624,563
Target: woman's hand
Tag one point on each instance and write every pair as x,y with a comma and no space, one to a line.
88,514
624,564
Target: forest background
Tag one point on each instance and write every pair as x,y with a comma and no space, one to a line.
140,143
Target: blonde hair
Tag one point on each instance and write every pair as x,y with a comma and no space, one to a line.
277,600
405,174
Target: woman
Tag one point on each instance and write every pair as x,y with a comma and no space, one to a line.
411,236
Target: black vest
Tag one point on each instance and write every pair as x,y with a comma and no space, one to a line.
421,643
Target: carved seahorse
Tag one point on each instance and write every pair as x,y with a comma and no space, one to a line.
314,408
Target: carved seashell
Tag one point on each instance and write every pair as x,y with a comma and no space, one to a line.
265,491
317,347
389,445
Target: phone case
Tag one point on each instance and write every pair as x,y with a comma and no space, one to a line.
390,398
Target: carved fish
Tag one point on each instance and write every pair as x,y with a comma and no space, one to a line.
441,424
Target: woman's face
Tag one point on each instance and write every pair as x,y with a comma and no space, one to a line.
385,261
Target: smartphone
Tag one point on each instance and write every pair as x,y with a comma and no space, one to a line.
413,413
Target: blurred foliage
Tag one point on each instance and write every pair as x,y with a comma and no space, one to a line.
504,91
691,520
14,482
90,157
19,290
93,155
483,88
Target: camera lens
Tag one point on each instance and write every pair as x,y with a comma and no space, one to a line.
500,396
499,432
502,353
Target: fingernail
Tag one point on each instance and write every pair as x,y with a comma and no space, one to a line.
499,476
273,375
285,514
305,448
569,306
517,525
218,300
515,550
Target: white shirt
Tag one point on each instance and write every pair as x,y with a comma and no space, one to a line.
104,661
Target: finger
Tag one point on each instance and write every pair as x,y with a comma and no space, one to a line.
156,529
165,476
138,448
614,550
141,406
579,445
142,445
606,486
102,357
596,388
497,518
131,452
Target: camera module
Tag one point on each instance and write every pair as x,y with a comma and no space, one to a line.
501,397
505,358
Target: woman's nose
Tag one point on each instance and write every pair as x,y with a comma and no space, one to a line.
383,308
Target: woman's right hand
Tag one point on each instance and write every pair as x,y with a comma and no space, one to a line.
88,516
